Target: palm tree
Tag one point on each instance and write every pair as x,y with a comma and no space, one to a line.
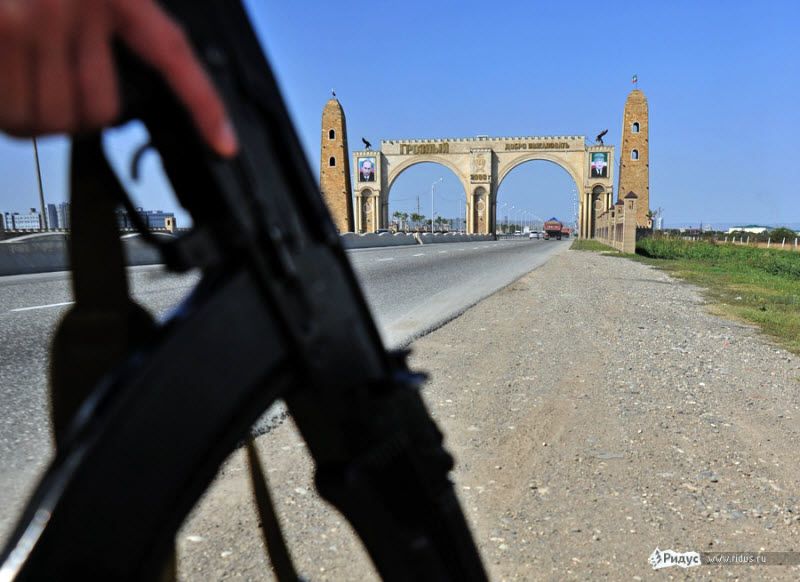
397,215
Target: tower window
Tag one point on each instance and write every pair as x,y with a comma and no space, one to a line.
634,154
332,162
332,133
634,127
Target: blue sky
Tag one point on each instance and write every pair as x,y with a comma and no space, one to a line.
722,79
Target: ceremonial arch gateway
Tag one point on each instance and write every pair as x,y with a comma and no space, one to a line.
481,164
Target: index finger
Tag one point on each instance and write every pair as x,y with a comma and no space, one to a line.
159,41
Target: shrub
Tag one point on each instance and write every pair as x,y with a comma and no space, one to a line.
775,262
779,234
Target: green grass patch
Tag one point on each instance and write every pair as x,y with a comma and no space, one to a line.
759,286
582,244
772,261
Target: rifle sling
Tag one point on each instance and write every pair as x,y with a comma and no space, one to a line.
104,322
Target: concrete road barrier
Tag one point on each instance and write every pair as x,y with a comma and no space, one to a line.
352,240
47,252
33,253
450,237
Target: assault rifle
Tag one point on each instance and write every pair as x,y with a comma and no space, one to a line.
145,413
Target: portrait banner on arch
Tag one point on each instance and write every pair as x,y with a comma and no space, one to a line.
366,169
599,165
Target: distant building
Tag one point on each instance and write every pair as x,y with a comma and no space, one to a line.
52,217
751,228
28,221
62,215
58,216
153,219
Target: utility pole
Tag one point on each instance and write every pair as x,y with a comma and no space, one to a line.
43,219
433,186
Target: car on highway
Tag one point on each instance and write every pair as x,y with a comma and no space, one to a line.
534,234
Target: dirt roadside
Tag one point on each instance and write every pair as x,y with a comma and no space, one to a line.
597,411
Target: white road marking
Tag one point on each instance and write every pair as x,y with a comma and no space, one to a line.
442,252
419,255
387,259
461,249
43,306
476,248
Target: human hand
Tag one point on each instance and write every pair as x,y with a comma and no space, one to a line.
57,70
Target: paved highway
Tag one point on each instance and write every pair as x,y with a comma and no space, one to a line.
414,289
411,290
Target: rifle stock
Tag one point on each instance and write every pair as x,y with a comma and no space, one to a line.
278,314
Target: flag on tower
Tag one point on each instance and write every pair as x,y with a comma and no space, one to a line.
635,79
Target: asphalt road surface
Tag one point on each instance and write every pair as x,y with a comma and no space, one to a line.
411,290
415,289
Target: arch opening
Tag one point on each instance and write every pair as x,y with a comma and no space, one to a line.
409,199
599,201
366,208
531,193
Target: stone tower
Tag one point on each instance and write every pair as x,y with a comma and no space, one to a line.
634,158
334,172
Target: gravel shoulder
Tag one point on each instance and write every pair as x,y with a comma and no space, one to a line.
597,410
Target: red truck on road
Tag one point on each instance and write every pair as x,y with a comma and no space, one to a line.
553,228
